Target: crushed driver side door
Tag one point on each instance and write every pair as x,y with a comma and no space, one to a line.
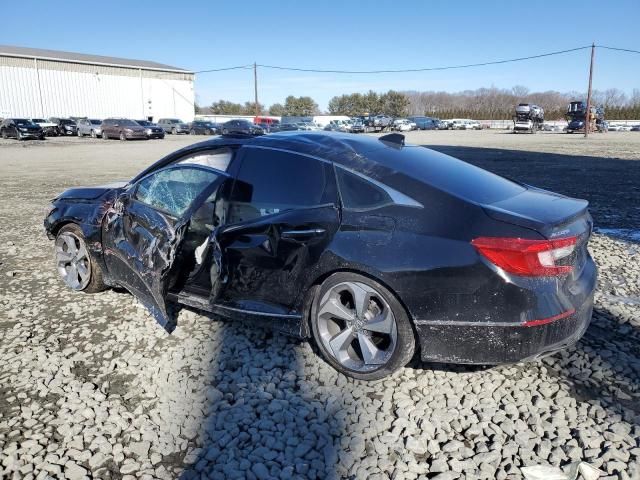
143,231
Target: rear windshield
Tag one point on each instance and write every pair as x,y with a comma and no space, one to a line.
447,173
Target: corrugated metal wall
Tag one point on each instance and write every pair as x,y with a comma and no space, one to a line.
46,88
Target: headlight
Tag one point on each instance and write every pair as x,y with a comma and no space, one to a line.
149,131
22,129
128,130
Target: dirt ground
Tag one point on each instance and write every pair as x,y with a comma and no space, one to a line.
90,387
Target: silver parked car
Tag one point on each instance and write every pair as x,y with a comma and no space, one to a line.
89,126
173,125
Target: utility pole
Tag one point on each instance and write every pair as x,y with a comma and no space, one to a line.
587,122
255,87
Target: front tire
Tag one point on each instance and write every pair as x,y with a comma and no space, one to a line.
93,134
174,131
123,137
360,328
76,266
105,136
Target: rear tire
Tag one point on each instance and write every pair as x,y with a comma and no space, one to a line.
192,132
174,131
73,233
378,336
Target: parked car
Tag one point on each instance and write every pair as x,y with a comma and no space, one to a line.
575,125
289,127
614,127
401,125
333,127
200,127
635,128
551,127
20,129
50,129
90,127
294,247
356,126
64,126
443,125
241,126
173,125
122,128
424,123
151,129
624,128
268,124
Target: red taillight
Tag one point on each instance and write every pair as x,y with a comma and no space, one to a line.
531,258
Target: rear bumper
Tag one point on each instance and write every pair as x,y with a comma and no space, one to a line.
497,344
506,341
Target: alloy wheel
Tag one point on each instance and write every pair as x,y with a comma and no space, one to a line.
72,260
357,326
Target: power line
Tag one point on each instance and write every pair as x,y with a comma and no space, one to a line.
410,70
426,69
239,67
618,49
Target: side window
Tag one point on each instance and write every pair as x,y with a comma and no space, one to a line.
359,194
272,181
173,190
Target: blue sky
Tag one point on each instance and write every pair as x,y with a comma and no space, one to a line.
344,35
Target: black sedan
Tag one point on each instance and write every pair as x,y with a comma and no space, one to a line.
20,129
242,127
198,127
372,248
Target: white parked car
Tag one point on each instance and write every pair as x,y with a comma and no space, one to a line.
49,128
624,128
402,125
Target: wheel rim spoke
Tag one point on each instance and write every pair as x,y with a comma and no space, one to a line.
360,298
381,323
370,353
83,271
340,343
72,275
64,257
334,308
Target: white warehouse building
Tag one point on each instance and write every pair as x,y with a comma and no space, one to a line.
37,83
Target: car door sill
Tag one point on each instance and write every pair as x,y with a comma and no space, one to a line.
290,324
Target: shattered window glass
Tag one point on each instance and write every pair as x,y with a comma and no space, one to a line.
174,189
218,159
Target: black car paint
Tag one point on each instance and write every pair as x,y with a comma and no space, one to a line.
464,309
20,129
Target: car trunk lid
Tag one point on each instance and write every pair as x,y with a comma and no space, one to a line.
552,215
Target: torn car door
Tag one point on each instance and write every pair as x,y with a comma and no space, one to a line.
261,265
144,229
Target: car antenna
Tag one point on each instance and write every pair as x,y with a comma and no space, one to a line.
395,138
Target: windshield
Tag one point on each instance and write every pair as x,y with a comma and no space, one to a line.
22,121
64,121
95,122
38,120
128,123
174,120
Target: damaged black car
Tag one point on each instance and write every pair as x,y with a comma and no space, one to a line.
372,248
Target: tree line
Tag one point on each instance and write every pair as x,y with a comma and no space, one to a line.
483,104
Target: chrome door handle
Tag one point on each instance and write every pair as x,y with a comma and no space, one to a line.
312,232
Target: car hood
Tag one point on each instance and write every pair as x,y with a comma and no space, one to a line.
89,193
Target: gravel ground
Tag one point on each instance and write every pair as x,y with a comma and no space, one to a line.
90,387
